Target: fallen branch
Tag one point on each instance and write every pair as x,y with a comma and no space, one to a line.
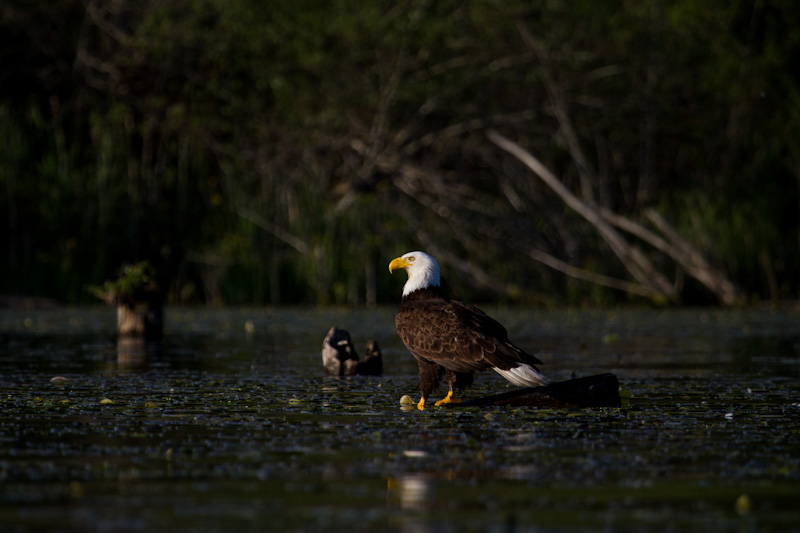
670,242
694,263
586,275
273,228
681,251
632,258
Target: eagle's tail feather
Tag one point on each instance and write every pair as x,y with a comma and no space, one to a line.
523,376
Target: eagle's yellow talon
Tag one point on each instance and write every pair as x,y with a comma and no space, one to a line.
448,399
421,404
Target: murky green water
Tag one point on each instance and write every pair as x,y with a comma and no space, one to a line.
222,430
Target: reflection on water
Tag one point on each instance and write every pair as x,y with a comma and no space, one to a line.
229,424
137,353
409,492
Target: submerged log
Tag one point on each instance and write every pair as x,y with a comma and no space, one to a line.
601,390
339,357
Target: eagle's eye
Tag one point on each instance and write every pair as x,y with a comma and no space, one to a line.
411,259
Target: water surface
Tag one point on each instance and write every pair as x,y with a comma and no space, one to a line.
228,427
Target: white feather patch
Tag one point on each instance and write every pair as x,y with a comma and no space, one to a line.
423,272
523,376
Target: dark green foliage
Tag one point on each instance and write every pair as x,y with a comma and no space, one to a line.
284,152
131,285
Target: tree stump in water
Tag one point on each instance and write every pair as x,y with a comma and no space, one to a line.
601,390
140,304
141,318
339,357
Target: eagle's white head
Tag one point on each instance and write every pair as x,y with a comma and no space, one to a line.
422,269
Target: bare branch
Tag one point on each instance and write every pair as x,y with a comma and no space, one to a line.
593,277
556,96
478,274
695,264
632,258
273,228
637,230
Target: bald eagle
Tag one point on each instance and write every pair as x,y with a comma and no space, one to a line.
452,338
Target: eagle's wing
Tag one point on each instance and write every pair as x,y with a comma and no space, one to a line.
457,336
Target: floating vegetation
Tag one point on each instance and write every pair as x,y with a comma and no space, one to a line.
192,441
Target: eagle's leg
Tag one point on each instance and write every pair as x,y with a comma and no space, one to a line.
456,380
429,375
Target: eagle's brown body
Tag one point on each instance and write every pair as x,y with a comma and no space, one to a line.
460,338
450,337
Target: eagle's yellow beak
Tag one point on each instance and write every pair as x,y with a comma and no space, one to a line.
396,263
